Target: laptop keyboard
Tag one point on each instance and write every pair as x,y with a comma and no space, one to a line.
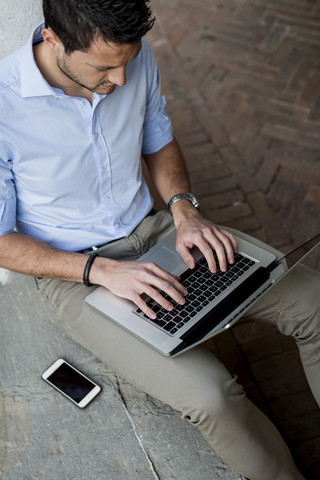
203,287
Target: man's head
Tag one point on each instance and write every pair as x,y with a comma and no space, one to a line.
93,40
78,23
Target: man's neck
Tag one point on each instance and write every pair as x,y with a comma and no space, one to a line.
46,62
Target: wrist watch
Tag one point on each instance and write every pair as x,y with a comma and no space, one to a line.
184,196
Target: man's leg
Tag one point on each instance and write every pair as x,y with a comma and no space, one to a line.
293,305
194,383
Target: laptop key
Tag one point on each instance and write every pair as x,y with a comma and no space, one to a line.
186,320
203,287
169,326
159,322
178,307
191,297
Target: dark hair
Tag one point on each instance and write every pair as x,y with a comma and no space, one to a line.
79,22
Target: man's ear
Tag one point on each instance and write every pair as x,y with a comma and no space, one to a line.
51,39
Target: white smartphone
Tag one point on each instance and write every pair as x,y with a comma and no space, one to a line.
71,383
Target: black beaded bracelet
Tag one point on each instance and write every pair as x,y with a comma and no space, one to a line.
87,269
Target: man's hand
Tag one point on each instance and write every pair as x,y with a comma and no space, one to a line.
132,280
194,230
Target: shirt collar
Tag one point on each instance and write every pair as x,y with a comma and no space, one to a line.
33,83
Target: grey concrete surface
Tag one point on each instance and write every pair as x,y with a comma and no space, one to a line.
17,19
124,434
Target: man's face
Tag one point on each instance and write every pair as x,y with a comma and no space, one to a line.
101,68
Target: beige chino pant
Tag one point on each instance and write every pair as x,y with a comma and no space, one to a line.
196,383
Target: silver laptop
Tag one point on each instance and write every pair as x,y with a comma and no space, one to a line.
214,301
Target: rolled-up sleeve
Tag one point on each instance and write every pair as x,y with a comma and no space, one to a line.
157,129
7,193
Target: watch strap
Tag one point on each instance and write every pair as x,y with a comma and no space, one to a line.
183,196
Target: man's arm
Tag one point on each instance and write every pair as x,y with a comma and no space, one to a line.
168,172
28,255
24,254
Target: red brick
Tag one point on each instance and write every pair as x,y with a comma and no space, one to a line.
260,234
267,172
228,352
310,449
267,346
295,405
309,138
222,199
209,122
268,219
229,214
196,137
248,224
283,364
311,90
209,186
238,168
302,428
313,195
250,330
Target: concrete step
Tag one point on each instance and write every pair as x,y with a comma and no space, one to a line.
123,434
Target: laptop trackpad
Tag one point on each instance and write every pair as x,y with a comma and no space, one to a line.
166,259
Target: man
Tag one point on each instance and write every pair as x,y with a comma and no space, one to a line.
79,104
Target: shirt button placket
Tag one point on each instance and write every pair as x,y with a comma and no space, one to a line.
102,159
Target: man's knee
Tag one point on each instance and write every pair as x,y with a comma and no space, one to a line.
301,312
216,403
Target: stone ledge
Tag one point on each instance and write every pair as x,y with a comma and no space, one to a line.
123,434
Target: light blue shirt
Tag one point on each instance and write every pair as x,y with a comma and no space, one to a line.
70,173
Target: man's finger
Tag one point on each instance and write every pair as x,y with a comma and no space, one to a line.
185,254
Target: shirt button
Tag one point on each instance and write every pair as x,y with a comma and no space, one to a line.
103,170
117,225
96,135
81,103
106,199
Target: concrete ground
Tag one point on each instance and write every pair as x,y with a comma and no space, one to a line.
123,434
242,85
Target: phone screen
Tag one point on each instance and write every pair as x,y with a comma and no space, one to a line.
71,383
